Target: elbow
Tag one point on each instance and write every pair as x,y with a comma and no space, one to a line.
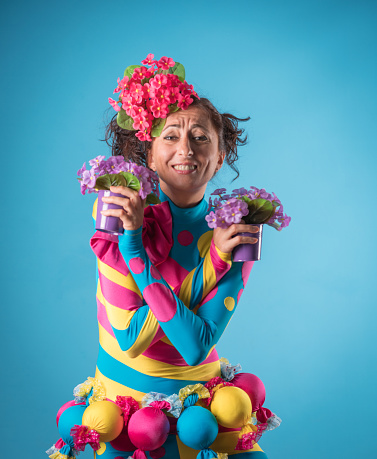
132,353
196,357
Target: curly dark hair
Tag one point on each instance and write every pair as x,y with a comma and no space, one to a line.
125,143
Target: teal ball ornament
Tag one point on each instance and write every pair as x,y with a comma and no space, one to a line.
197,427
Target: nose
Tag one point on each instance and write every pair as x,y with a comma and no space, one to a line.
185,147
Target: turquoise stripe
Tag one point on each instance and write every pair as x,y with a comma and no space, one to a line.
197,286
126,338
117,371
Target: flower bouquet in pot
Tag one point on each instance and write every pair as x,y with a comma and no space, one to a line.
115,171
255,207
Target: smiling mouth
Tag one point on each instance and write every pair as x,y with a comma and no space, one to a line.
185,167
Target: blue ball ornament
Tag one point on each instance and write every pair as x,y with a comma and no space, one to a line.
70,417
197,427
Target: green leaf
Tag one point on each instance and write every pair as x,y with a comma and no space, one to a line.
103,182
173,108
178,70
158,126
131,181
125,121
260,211
130,70
152,199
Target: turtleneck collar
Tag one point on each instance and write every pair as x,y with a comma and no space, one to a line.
191,214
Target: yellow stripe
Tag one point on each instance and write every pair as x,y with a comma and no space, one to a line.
209,275
146,335
119,318
227,257
94,212
185,292
113,388
118,278
204,243
151,367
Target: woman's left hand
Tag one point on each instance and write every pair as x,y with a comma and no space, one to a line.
132,212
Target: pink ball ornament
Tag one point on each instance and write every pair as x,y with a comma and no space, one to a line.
148,428
253,386
122,442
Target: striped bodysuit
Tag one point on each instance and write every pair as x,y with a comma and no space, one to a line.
165,295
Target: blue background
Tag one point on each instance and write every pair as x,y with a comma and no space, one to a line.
305,72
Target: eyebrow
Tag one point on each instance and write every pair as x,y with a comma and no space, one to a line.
178,126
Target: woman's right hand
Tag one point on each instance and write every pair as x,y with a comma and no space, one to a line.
226,239
132,211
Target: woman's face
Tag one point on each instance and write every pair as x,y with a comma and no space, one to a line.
186,155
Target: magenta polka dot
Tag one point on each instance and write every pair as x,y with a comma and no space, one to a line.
239,295
137,265
165,305
154,273
185,237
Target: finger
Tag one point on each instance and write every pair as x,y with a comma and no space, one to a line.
125,191
120,213
116,200
242,228
237,240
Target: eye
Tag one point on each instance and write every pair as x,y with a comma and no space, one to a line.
170,137
200,138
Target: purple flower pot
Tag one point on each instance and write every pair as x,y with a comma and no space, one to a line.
249,252
112,225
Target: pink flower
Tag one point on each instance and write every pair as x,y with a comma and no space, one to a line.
140,73
143,135
136,91
184,101
114,104
138,112
165,63
140,124
121,84
158,81
159,109
149,60
148,91
163,95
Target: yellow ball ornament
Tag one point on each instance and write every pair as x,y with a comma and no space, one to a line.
231,406
105,418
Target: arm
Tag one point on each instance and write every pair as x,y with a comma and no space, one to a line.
121,310
193,335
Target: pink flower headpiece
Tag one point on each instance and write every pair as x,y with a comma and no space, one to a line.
148,95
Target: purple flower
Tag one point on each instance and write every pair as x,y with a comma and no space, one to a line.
230,209
89,179
83,188
95,163
81,171
211,220
234,209
210,204
219,192
239,192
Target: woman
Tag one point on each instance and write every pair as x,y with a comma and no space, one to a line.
168,288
